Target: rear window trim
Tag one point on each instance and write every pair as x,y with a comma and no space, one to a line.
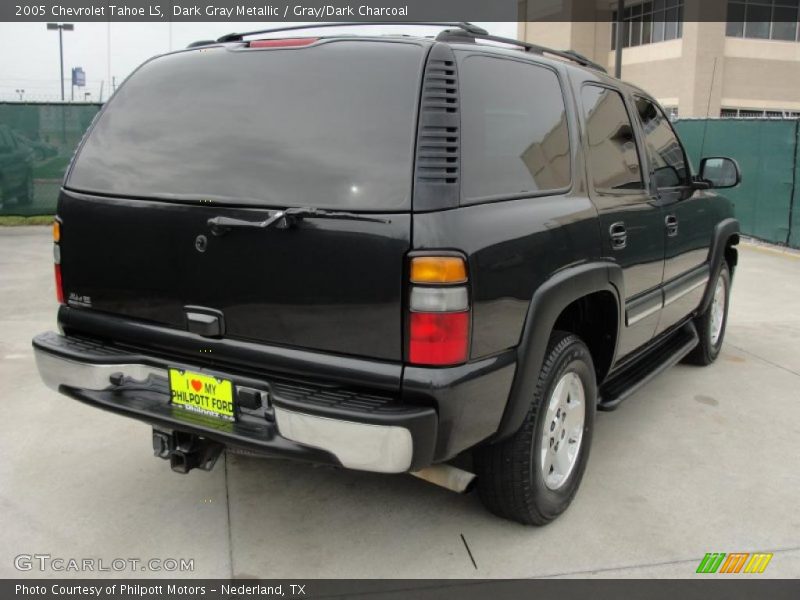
192,200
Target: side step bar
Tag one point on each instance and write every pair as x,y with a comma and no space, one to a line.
666,354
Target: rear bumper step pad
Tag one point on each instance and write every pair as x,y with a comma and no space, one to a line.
326,424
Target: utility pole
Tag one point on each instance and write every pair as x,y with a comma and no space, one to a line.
61,27
619,38
20,92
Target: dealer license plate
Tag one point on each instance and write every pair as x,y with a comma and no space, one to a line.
201,393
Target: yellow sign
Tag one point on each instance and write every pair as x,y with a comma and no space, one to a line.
201,393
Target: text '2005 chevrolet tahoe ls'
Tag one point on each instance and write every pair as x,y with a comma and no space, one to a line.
383,253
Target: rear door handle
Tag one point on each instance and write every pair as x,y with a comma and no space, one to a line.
619,236
671,221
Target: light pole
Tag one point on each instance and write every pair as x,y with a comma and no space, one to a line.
61,28
20,92
619,39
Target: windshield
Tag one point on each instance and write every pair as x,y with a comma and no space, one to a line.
328,126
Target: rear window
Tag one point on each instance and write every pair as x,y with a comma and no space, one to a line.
515,138
330,126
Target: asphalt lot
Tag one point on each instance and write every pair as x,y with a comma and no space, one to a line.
701,460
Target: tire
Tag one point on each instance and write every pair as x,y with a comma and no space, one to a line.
513,483
25,194
711,325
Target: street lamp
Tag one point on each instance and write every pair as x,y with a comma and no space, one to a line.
619,39
20,92
61,28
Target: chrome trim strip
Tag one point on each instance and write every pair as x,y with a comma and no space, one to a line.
362,446
675,296
644,306
632,320
57,370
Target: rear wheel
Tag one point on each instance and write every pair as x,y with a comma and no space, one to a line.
711,324
533,476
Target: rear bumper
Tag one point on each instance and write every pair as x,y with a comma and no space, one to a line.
357,430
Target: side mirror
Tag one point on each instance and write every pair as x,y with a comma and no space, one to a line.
720,172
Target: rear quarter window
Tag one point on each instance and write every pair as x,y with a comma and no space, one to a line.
515,137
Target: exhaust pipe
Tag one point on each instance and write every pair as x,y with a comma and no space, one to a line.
447,476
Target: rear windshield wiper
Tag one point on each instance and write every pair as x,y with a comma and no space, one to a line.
284,219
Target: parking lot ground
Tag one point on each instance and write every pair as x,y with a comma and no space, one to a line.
700,460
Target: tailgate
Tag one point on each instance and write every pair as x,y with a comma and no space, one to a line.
329,285
237,132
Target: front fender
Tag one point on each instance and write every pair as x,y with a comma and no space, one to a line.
726,231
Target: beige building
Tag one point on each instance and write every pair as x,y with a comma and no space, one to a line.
747,66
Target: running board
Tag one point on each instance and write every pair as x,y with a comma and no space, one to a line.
664,355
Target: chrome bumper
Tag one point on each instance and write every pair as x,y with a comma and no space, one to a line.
56,371
360,446
356,445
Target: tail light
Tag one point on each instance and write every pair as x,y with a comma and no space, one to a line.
439,319
57,260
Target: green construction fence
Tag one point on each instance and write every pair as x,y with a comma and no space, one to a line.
37,141
768,200
36,144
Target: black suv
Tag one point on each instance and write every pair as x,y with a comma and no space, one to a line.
381,252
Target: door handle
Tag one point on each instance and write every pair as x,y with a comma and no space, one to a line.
672,225
619,236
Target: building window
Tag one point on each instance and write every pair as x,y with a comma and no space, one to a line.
755,113
649,23
763,19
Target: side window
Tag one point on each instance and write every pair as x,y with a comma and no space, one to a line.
515,138
664,151
613,159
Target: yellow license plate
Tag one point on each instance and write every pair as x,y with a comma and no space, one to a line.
201,393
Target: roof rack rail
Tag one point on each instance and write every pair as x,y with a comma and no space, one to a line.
199,43
470,37
462,25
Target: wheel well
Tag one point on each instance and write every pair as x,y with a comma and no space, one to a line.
594,318
731,253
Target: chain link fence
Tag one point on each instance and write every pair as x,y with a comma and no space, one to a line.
36,144
768,200
37,141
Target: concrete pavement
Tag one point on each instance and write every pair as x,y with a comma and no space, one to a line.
701,460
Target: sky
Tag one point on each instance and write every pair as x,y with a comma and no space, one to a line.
29,58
